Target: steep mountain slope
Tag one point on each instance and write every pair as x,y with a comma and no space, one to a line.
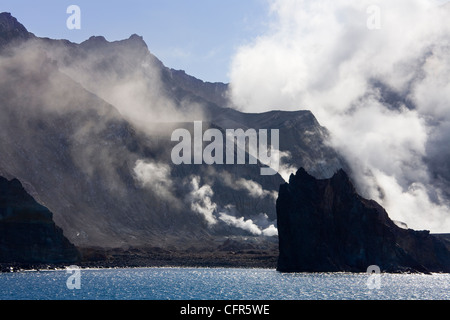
87,128
128,76
216,93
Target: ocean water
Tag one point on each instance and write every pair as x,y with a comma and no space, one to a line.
219,284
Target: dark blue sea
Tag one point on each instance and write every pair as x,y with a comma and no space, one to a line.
219,284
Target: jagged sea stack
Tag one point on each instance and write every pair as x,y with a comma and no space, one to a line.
325,226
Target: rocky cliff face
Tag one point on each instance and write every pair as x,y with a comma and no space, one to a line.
27,232
325,226
11,30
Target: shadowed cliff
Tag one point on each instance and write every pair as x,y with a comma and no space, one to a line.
28,234
325,226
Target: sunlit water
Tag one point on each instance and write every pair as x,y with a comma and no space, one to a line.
219,284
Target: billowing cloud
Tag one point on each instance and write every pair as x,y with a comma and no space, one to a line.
382,92
248,225
200,200
258,226
241,223
286,169
124,74
270,231
252,188
156,177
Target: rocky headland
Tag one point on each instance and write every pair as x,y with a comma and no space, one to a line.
28,235
325,226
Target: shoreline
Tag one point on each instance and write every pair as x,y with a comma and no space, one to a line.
24,268
52,268
155,257
151,258
66,267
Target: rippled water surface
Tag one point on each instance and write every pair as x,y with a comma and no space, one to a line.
219,284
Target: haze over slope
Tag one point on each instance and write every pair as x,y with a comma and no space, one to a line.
87,128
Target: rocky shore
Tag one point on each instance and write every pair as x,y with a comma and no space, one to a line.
158,257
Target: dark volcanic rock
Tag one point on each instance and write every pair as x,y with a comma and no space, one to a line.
28,234
216,93
11,29
325,226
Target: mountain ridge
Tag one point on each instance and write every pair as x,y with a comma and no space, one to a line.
106,173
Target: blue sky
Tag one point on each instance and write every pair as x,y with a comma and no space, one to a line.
198,36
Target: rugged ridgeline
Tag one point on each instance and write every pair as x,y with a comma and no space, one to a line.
325,226
67,133
28,235
11,30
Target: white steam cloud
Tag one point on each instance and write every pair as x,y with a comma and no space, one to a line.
127,76
253,189
157,177
384,94
240,223
285,170
200,200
